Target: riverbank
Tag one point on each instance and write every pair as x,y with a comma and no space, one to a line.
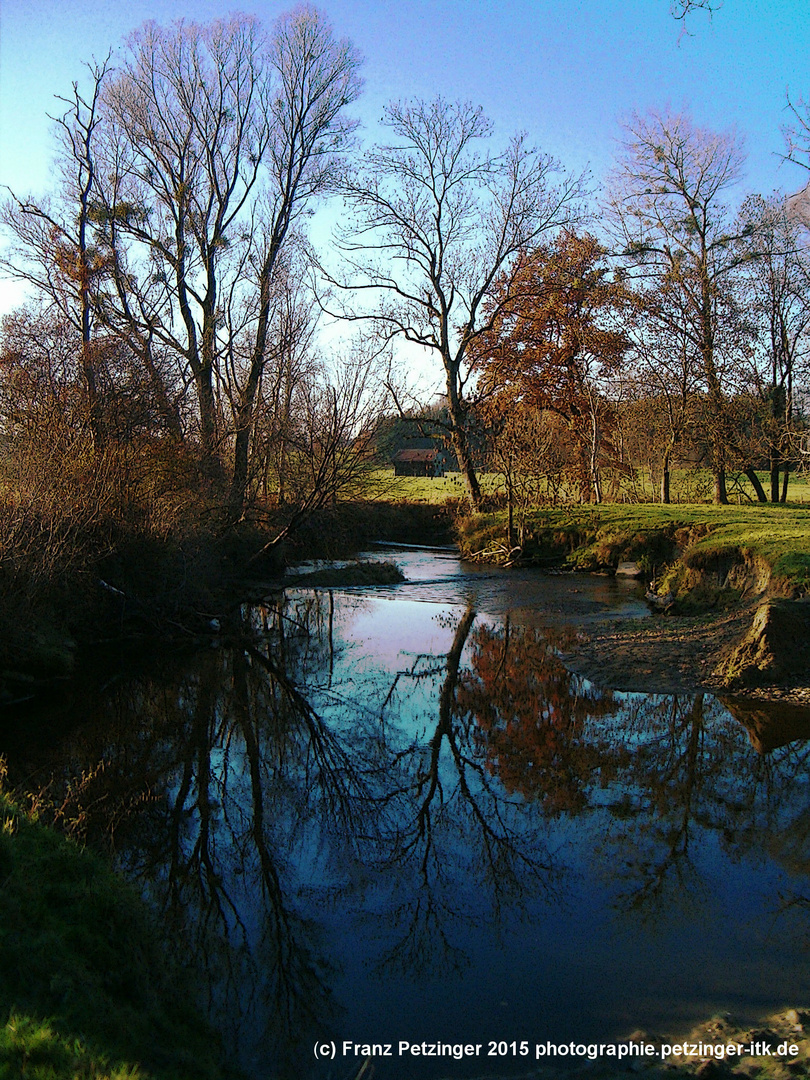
687,550
727,583
658,654
86,990
678,654
134,584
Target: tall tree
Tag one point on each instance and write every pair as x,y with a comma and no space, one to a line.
315,79
776,274
54,249
221,139
438,218
555,343
187,135
671,222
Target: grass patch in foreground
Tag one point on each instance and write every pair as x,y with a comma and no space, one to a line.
85,988
32,1049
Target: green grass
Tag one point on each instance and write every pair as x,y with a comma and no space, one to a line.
694,485
691,486
85,988
428,489
593,536
33,1049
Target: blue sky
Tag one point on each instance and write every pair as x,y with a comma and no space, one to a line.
566,71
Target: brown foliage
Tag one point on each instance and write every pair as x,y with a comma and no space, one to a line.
531,714
552,334
555,344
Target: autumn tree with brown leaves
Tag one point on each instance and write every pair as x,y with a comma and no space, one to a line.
555,344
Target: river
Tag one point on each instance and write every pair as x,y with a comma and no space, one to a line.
392,814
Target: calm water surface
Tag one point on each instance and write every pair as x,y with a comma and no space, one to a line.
384,814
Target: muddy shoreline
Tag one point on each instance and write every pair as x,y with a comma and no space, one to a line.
675,654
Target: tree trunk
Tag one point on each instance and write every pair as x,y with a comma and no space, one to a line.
239,477
717,431
785,482
510,512
205,399
720,491
460,440
245,409
774,469
665,475
467,469
94,411
596,439
756,485
665,496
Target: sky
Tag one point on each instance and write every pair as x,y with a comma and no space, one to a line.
565,71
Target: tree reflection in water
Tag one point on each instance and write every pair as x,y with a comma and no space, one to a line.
275,796
691,772
452,822
531,714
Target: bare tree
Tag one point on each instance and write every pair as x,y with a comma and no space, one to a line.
315,78
797,151
54,249
436,220
668,370
221,138
328,444
776,277
667,207
288,363
682,9
187,135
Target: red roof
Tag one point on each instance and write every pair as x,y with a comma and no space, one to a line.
416,455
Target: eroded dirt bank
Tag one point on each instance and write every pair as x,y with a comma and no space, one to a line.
679,653
660,653
728,620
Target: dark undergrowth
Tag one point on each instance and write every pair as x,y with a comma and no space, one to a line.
69,576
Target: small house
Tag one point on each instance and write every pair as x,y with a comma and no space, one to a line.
431,462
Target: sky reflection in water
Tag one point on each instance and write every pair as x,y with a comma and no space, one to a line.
393,814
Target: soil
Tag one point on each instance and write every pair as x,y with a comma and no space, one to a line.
673,654
722,1048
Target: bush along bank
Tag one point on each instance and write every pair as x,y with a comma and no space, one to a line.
133,581
86,990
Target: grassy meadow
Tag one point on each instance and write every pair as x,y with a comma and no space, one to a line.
688,486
